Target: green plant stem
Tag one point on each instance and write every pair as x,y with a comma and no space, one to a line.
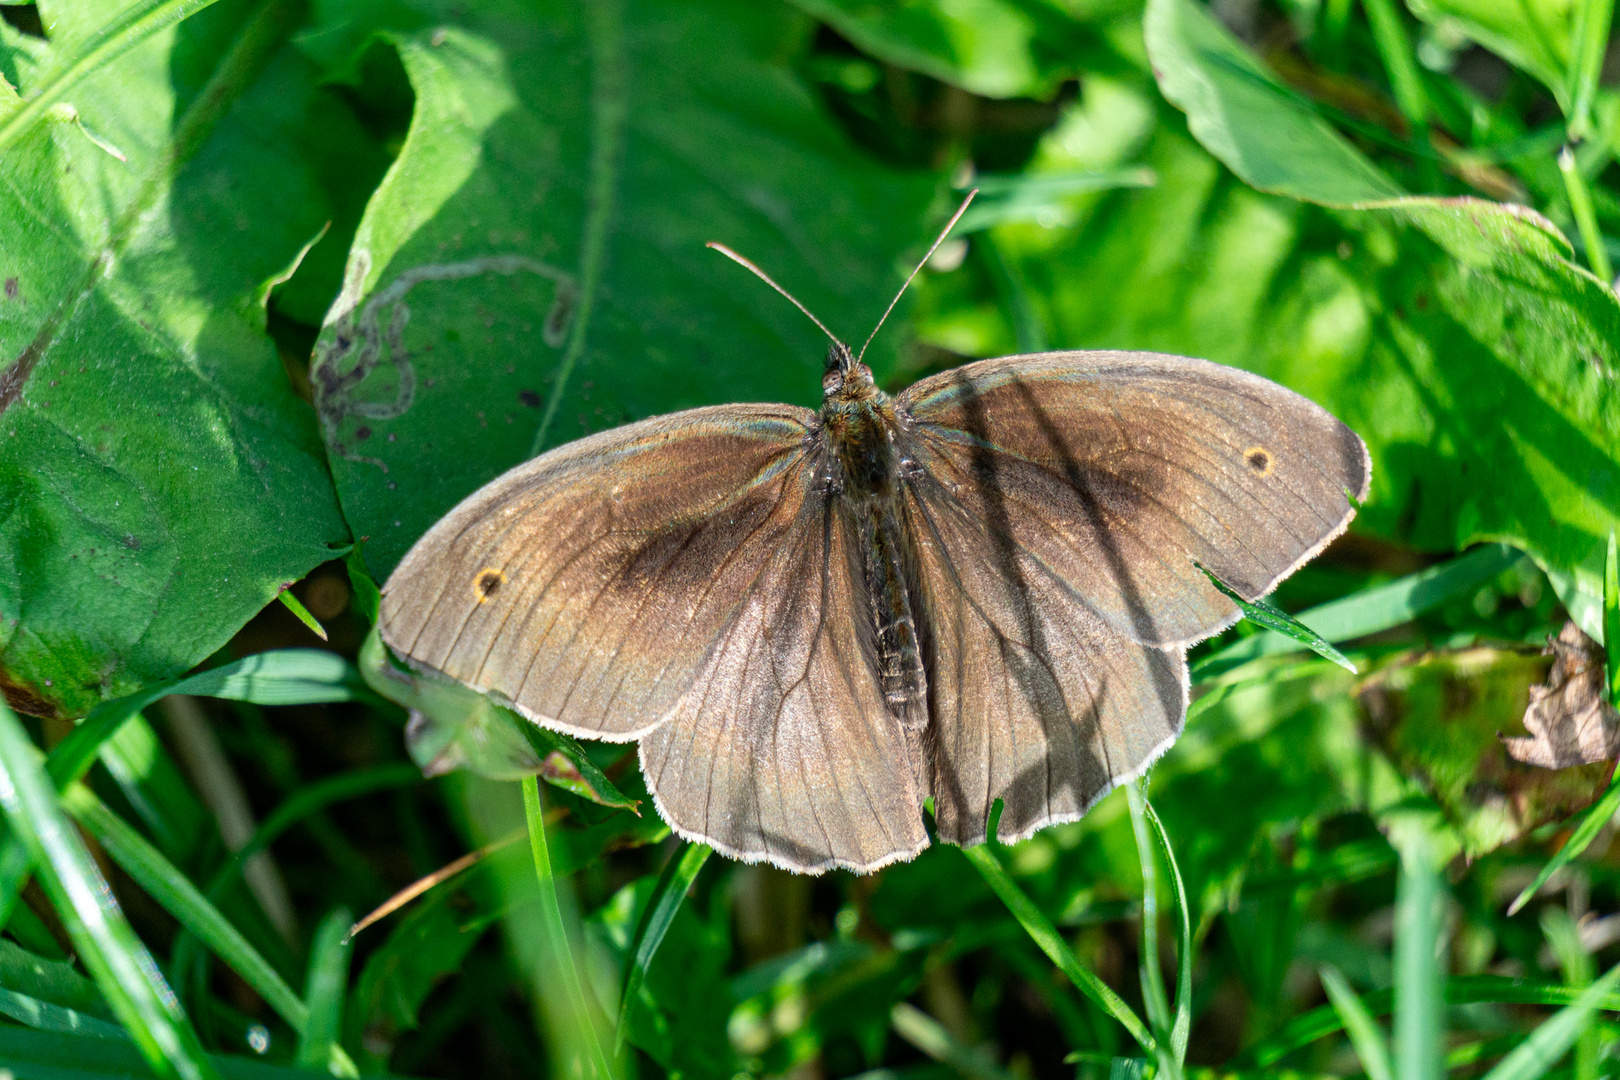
1591,39
1395,49
1154,997
1419,971
1580,205
555,934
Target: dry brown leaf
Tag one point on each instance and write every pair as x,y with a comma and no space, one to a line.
1569,718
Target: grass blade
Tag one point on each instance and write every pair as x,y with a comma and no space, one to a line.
1153,994
165,883
1592,820
318,1045
1263,614
673,884
1419,976
1611,619
1580,205
1552,1039
1370,1045
45,1016
926,1034
122,967
292,604
1044,934
583,1023
1591,40
1181,1031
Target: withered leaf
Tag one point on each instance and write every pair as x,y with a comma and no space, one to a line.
1569,718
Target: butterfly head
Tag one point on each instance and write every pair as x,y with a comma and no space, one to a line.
845,376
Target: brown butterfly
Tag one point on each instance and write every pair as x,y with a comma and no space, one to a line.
982,588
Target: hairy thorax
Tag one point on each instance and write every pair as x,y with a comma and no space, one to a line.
863,434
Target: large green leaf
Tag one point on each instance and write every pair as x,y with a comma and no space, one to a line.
159,481
1455,334
532,268
998,48
1536,35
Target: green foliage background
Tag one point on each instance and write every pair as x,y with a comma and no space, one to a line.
283,280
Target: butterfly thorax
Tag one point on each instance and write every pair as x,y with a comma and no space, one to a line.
862,430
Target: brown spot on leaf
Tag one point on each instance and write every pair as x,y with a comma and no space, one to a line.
12,288
529,398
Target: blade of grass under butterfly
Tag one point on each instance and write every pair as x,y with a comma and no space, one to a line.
1591,822
1045,935
280,677
1419,975
673,884
292,604
1263,614
122,967
1370,1045
164,883
1459,990
1549,1042
928,1035
1181,1032
46,1016
556,935
328,978
1153,995
1611,619
1371,610
1563,936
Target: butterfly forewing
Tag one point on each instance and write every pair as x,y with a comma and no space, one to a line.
587,587
1125,472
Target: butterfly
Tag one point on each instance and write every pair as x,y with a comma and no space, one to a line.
981,588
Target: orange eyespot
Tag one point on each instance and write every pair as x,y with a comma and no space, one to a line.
485,584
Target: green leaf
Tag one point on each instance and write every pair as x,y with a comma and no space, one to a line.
1045,935
1485,343
164,883
674,882
996,48
1247,118
165,482
466,334
122,967
1549,1042
1263,614
1181,1030
1370,610
1371,1046
319,1047
453,726
1534,35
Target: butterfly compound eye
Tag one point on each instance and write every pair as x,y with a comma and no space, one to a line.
838,362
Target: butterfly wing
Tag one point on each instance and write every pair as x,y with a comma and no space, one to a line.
682,581
1061,507
588,586
784,749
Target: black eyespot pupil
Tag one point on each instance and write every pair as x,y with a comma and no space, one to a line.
488,581
1259,460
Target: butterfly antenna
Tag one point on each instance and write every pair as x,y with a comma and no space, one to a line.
766,278
949,225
